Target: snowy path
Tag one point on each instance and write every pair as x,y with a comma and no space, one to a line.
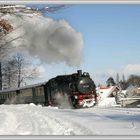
37,120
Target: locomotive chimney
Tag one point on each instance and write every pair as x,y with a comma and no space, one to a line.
79,72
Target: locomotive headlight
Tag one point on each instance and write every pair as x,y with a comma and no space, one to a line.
81,82
75,97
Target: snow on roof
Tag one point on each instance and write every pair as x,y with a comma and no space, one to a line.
124,91
25,87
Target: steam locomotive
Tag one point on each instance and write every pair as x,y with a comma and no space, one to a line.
76,90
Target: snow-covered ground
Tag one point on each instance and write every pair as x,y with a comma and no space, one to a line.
37,120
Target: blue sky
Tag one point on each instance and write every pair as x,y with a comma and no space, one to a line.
111,35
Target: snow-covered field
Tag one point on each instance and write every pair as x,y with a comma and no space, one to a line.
37,120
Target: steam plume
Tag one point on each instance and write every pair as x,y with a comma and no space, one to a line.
49,40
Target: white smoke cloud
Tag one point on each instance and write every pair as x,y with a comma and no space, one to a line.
50,40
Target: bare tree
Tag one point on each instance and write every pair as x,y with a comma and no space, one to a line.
133,80
5,43
5,28
19,69
9,74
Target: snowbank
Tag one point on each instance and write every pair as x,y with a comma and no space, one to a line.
107,102
31,119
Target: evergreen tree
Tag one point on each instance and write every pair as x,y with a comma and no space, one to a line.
117,79
123,78
110,81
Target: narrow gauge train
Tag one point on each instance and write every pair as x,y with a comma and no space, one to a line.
78,90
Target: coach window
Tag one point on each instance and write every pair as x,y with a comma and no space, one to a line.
14,94
7,95
4,96
27,92
11,95
41,90
36,91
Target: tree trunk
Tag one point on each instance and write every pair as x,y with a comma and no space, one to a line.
0,77
19,74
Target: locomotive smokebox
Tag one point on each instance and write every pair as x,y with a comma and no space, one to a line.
79,72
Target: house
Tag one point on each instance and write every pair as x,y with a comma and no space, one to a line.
129,98
107,95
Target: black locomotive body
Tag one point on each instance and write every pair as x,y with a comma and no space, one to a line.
76,90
